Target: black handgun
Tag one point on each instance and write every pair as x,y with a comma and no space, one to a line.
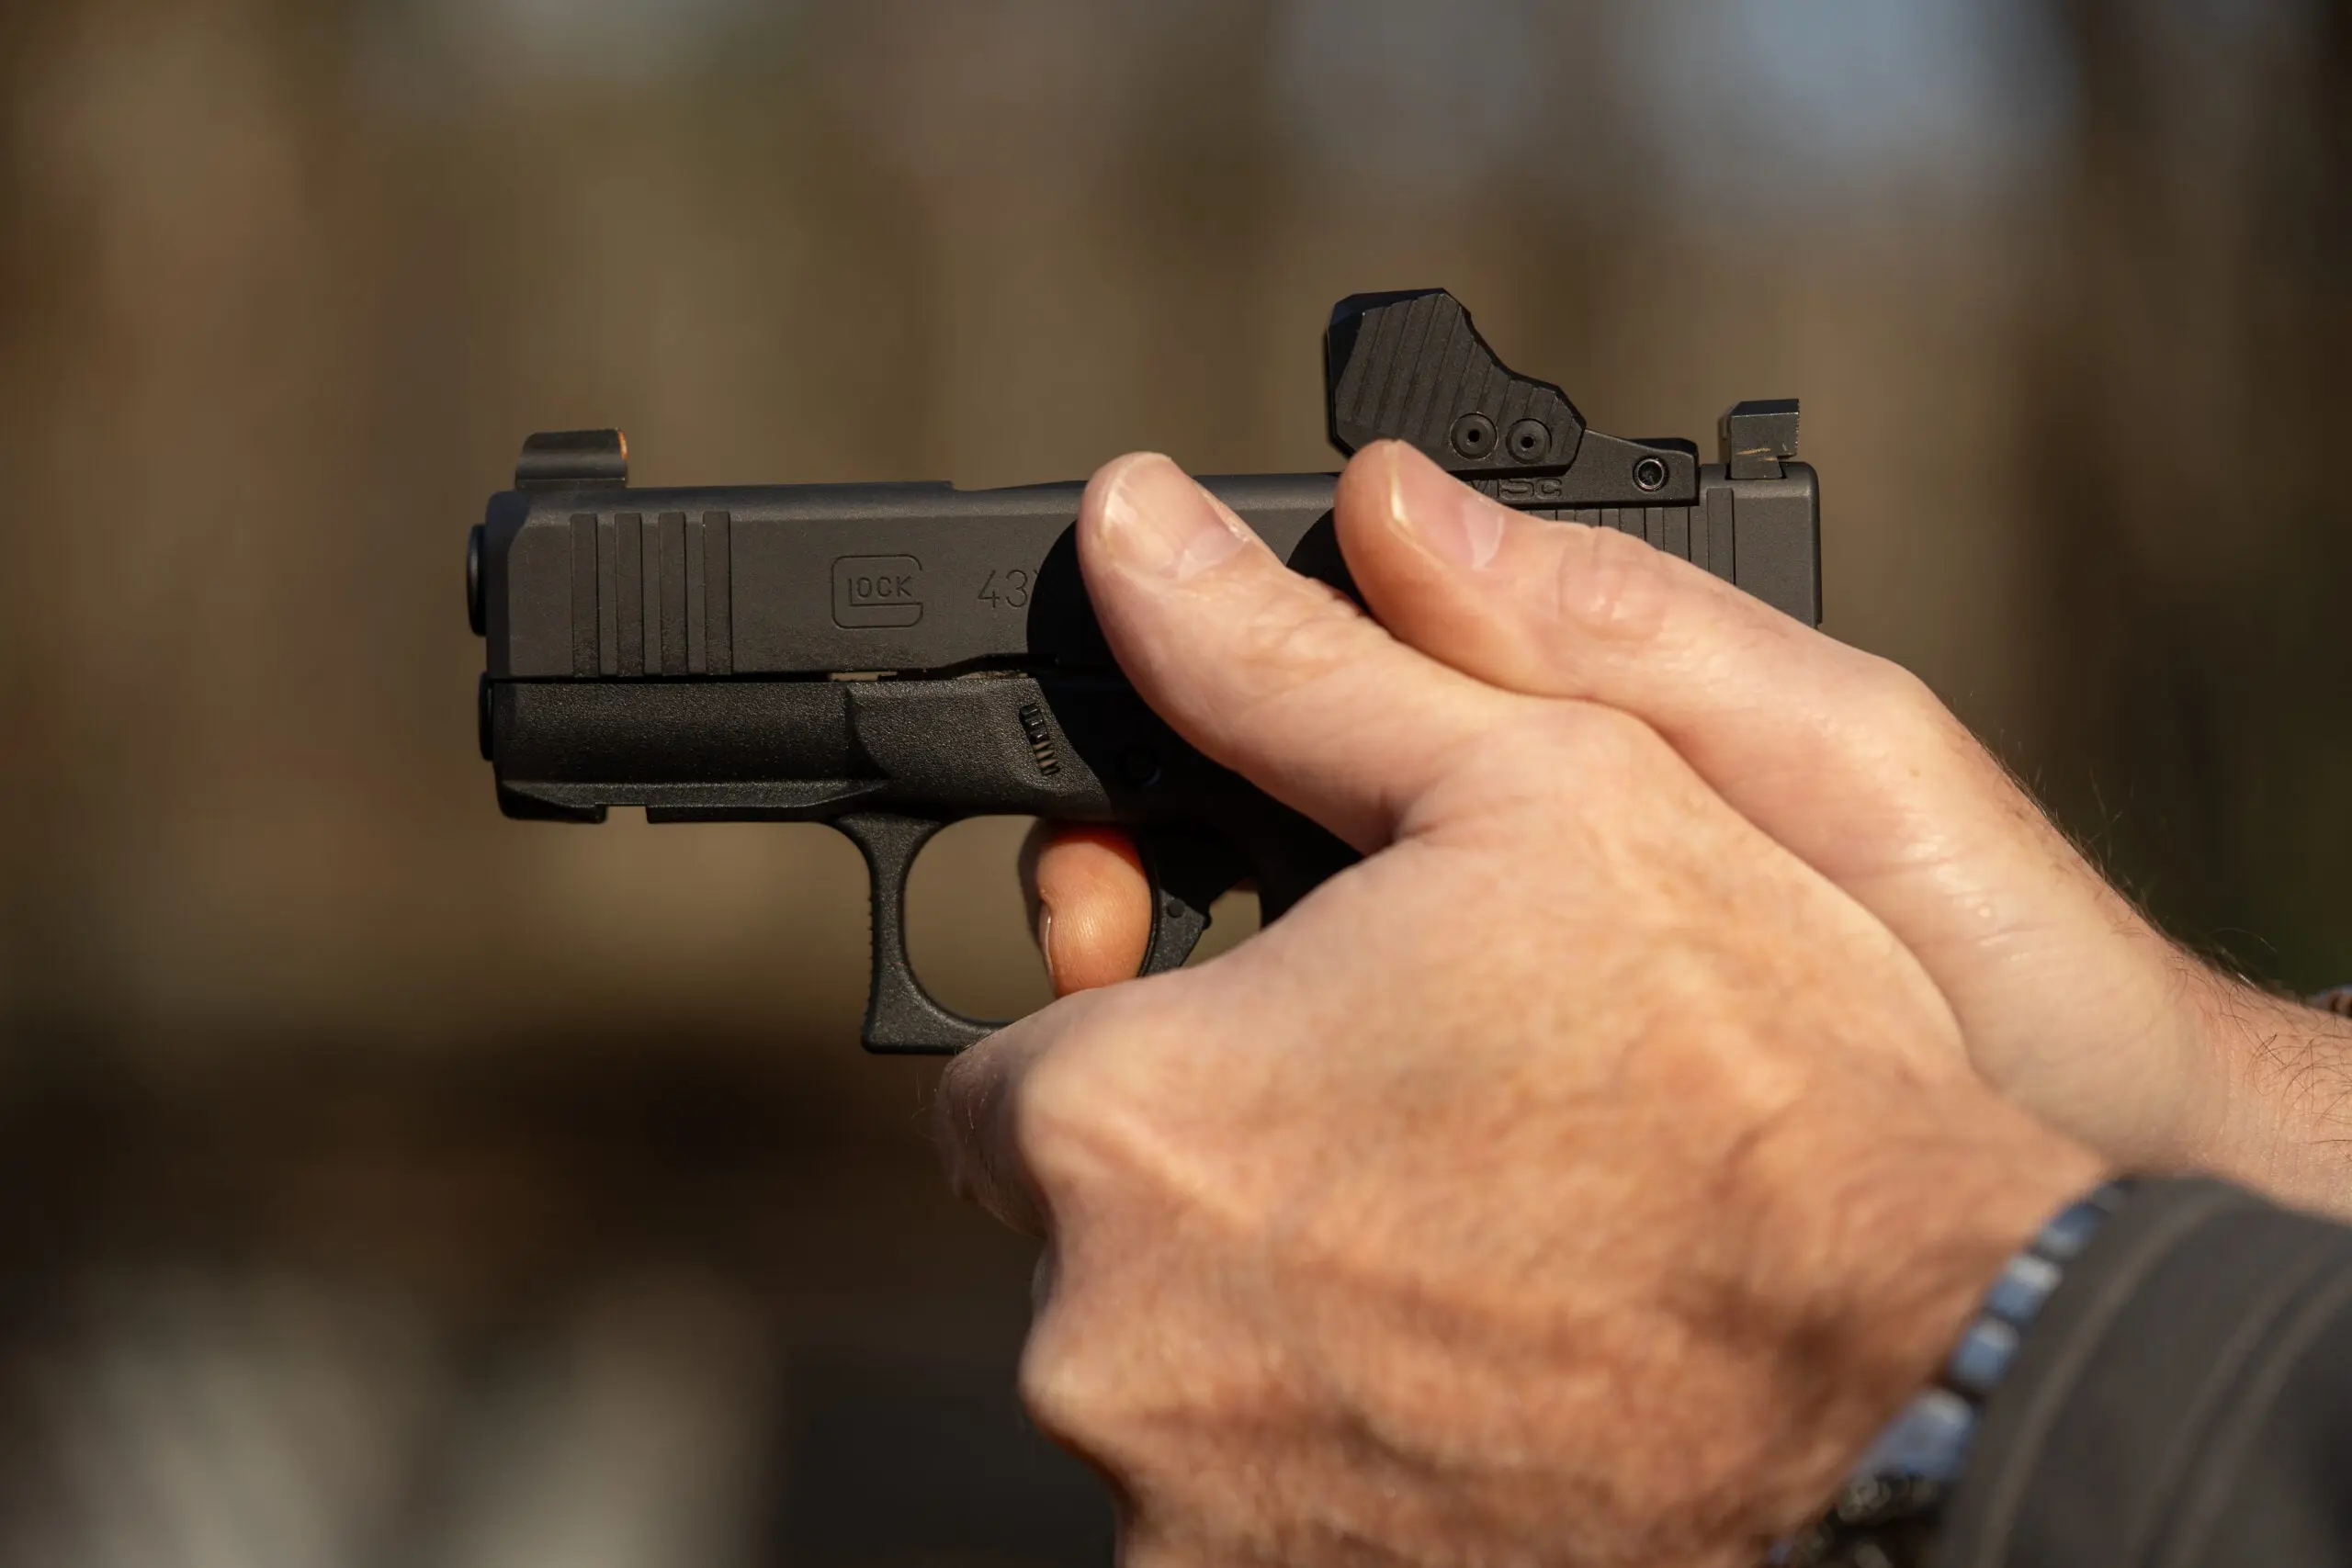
891,658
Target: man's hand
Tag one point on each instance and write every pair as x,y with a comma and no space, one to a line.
2070,1002
1583,1176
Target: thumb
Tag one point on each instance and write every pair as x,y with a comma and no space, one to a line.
1844,758
1268,673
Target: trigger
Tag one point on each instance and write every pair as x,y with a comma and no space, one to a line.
1187,871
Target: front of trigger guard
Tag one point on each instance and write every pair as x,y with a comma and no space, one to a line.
901,1017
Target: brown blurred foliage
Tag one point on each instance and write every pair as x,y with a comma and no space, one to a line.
283,285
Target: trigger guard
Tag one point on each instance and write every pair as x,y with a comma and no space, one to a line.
1187,871
901,1017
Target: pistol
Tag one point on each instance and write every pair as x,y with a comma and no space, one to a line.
892,658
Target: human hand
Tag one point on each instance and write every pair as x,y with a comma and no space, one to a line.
1581,1177
2069,1000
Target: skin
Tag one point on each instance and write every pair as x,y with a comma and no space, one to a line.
2072,1004
1583,1176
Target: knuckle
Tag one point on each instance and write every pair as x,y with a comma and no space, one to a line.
1063,1387
1893,689
1304,628
1304,653
1601,743
1082,1386
1904,707
967,1084
1612,585
970,1099
1053,1120
1559,752
1089,1384
1089,1098
1912,732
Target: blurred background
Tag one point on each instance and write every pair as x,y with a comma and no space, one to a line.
383,1182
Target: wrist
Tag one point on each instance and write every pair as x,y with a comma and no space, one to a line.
1916,1217
2282,1071
1891,1506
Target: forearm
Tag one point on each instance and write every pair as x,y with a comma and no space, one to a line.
2281,1117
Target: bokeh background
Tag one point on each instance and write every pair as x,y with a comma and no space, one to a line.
383,1182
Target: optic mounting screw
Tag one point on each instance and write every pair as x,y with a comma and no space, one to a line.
1650,473
1529,438
1473,435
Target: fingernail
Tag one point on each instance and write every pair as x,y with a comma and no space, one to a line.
1046,941
1155,521
1455,522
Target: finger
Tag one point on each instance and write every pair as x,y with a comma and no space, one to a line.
1844,758
1274,675
1565,610
977,1118
1090,904
1771,712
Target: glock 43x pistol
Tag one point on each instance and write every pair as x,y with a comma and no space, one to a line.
891,658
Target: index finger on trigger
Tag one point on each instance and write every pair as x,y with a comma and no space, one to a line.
1090,904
